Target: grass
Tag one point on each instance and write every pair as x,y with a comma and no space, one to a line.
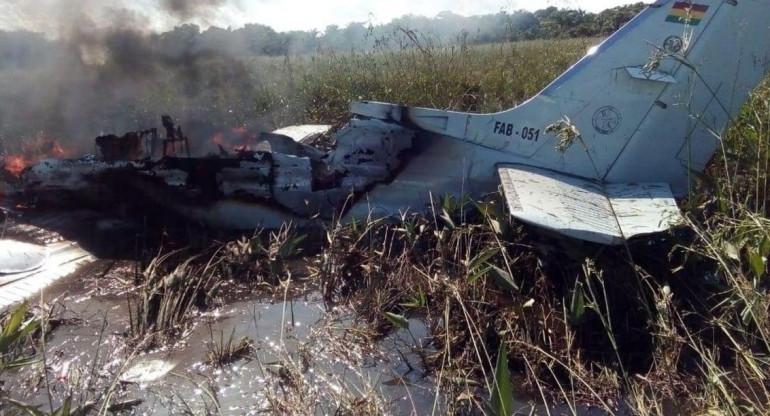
411,71
178,283
75,391
170,289
16,327
677,323
228,350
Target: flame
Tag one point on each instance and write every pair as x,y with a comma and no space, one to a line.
33,152
14,164
55,149
244,148
240,131
235,139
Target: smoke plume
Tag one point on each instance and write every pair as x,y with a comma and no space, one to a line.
98,70
191,8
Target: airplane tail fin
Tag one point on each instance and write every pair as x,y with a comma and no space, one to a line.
651,104
653,99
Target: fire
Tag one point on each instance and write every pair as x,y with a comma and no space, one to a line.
237,139
244,148
31,153
14,164
240,131
55,149
45,147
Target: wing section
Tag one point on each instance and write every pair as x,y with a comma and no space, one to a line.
17,257
606,213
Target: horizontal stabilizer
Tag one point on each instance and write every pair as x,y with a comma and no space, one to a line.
587,210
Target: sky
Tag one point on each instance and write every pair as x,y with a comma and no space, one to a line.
52,16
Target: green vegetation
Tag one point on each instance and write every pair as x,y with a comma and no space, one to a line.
407,70
677,323
227,350
15,329
178,283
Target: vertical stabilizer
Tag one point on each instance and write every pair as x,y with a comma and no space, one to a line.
651,100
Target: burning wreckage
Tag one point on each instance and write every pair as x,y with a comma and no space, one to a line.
281,178
598,155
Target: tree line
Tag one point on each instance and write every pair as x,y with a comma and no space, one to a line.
446,27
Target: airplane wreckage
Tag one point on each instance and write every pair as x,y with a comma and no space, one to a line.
639,114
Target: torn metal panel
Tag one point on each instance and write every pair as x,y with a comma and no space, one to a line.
293,184
277,143
133,145
279,174
18,257
371,142
69,174
602,213
305,132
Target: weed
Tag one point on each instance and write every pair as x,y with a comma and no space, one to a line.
15,328
169,291
228,350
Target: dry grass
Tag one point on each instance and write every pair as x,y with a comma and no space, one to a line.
677,323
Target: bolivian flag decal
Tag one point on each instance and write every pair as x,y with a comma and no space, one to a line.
687,13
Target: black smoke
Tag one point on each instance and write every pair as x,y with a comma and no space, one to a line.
187,9
112,75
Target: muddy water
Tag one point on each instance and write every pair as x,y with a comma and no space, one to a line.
87,353
333,359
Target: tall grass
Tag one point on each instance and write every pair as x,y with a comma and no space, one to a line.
676,323
411,70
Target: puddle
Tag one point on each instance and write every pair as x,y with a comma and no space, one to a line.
331,359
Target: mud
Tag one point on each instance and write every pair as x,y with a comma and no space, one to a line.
87,350
307,356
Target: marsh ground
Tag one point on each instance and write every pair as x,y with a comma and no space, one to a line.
676,323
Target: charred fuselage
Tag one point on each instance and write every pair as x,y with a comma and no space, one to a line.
280,179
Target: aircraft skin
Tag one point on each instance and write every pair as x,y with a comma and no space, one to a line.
649,103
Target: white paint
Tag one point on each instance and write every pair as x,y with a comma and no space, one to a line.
64,259
147,370
18,257
602,213
303,131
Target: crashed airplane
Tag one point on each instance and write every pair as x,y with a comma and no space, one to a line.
633,121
